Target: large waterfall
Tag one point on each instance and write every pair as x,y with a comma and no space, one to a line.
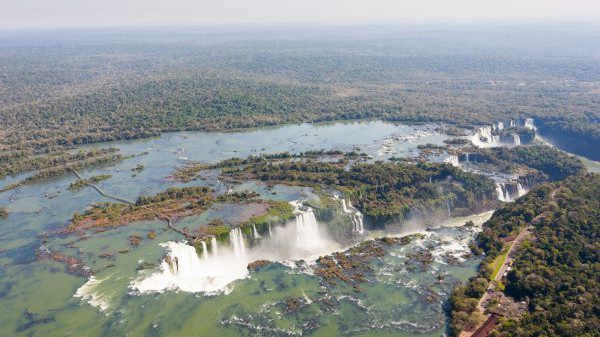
529,123
504,192
194,274
501,192
484,137
213,246
204,251
215,268
452,160
237,242
355,216
307,230
516,139
520,190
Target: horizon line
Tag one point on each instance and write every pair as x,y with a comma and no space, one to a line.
306,24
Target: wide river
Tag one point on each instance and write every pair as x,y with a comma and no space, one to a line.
39,298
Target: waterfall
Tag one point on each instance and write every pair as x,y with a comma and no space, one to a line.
270,231
512,123
307,229
186,269
204,250
529,123
467,157
213,246
355,215
484,137
255,232
237,242
486,133
516,139
193,273
504,194
520,190
500,125
452,160
500,191
448,207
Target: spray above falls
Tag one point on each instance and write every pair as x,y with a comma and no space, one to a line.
219,264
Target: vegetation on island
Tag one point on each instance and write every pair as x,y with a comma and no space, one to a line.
91,180
274,212
27,161
381,189
3,212
52,166
555,273
552,163
191,171
173,202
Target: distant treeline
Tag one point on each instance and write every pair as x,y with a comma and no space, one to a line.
94,89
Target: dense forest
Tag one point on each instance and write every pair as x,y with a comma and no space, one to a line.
556,273
63,88
56,164
381,190
554,164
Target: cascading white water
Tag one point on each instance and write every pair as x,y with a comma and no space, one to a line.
192,273
467,157
237,241
504,194
529,123
520,190
255,234
516,139
204,250
448,207
307,230
355,216
500,125
184,270
512,123
500,191
270,231
213,246
484,137
452,160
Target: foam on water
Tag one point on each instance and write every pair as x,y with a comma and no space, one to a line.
90,293
184,270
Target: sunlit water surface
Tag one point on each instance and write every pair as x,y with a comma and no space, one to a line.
40,299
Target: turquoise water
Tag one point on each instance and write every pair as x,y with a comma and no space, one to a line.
37,296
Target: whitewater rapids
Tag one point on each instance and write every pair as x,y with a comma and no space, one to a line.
215,270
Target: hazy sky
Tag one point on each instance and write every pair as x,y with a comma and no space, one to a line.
61,13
